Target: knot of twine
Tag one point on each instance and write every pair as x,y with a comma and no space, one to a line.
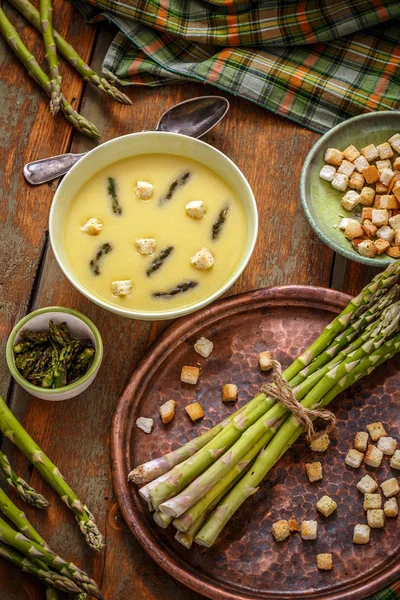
280,390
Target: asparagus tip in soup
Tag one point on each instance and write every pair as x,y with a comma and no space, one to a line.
94,263
158,262
112,194
178,182
180,288
219,223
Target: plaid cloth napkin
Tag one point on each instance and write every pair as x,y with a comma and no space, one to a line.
315,62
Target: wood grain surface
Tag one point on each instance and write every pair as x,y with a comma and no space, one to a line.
75,434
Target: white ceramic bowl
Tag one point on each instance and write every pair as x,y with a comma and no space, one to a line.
79,326
149,143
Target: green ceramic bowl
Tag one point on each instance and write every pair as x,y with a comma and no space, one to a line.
321,202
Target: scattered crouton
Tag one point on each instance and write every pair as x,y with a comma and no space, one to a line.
369,229
376,518
204,347
353,229
195,411
394,222
393,251
351,153
395,460
386,176
350,200
381,246
372,501
390,508
376,431
190,375
361,534
390,487
265,360
383,164
327,172
202,260
394,141
324,562
361,441
371,174
346,168
361,163
356,182
396,163
145,246
167,411
122,287
143,190
326,506
196,209
367,196
389,201
354,458
280,530
366,214
145,424
340,182
309,530
388,445
293,525
321,443
314,471
384,151
380,188
229,392
92,227
373,457
370,153
380,217
333,156
385,233
366,248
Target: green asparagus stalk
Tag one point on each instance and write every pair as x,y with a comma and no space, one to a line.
162,520
365,298
33,16
152,469
52,593
12,429
181,502
50,578
285,437
27,493
46,21
28,60
35,551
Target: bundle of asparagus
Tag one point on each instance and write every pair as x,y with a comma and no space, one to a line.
54,43
199,486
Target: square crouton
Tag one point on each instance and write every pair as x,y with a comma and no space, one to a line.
350,200
376,431
143,190
92,227
389,201
371,174
385,151
396,189
381,246
369,229
390,487
383,164
343,223
122,287
229,392
356,181
340,182
194,411
361,534
353,229
265,360
367,485
167,411
314,471
394,141
326,506
390,508
380,188
386,176
293,525
145,424
396,163
190,375
395,460
380,217
372,501
280,530
361,163
309,530
354,458
361,441
366,214
145,246
373,457
385,233
346,168
370,152
376,518
204,347
324,562
327,173
388,445
366,248
351,153
321,443
377,201
394,222
367,196
393,252
195,209
333,156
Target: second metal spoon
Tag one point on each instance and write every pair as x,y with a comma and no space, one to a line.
194,117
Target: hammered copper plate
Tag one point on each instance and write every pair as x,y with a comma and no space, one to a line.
245,562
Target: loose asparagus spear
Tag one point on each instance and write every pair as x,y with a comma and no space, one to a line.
64,48
285,437
158,262
216,228
28,60
12,429
94,263
46,20
178,182
27,493
51,578
112,194
180,288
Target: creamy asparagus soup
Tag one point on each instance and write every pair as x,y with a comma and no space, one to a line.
155,232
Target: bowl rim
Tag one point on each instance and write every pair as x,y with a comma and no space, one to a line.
303,195
162,314
72,386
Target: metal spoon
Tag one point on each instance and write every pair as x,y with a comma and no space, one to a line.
194,117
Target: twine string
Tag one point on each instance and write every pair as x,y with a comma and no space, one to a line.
280,390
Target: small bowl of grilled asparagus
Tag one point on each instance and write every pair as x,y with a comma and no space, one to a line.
54,353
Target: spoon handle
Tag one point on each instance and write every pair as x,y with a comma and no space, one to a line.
46,169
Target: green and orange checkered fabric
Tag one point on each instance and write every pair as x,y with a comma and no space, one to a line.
315,62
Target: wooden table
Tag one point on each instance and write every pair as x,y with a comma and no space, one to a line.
75,434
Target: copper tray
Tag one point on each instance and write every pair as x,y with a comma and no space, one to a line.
245,562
